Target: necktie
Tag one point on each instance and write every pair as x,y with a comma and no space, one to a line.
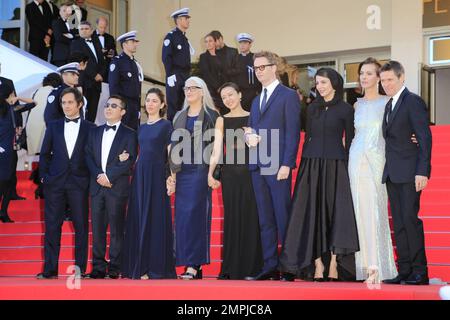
264,101
89,40
72,120
389,109
107,127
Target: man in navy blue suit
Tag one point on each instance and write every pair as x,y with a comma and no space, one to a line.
65,175
273,136
406,172
110,154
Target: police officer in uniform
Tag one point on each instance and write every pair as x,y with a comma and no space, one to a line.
125,78
176,57
247,80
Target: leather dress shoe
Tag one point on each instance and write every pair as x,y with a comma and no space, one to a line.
17,197
5,218
268,275
418,279
47,275
223,277
96,275
287,277
188,275
397,280
113,275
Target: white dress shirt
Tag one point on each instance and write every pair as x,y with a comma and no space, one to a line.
71,130
107,141
41,9
102,39
270,89
396,97
91,46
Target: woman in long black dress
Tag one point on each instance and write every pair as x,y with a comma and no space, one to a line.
242,253
148,248
322,224
189,159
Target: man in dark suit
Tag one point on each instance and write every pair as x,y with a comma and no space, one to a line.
406,172
65,175
39,19
63,37
54,10
274,119
125,78
92,77
106,40
110,154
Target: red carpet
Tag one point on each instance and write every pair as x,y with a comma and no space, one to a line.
21,254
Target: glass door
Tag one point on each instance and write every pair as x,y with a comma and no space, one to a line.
12,22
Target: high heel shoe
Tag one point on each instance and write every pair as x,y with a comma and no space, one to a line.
372,276
190,275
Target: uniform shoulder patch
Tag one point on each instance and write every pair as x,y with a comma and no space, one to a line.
51,98
112,67
166,42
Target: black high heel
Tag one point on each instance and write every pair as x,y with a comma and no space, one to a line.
5,218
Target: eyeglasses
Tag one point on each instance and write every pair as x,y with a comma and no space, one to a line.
112,105
263,67
191,89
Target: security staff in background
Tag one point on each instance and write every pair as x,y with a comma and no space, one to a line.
247,80
125,78
176,57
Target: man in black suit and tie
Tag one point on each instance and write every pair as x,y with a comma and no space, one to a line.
63,36
39,19
92,77
65,175
406,172
106,40
110,153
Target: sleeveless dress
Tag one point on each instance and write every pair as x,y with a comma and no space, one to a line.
366,164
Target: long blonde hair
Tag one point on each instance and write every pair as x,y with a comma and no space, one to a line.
207,101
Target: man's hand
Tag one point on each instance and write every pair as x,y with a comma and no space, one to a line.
251,138
124,156
283,173
170,184
421,183
171,80
102,180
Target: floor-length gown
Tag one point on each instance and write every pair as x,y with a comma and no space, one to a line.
366,164
148,247
242,252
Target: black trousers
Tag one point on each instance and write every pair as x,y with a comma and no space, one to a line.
107,209
38,49
132,118
92,96
6,187
408,228
175,96
56,200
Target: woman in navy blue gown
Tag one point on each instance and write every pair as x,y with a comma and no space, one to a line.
148,248
189,159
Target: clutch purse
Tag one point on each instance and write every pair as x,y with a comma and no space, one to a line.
217,174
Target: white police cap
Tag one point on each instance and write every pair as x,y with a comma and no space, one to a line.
128,36
70,67
244,37
180,13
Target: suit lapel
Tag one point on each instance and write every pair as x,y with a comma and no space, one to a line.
398,105
80,137
61,136
115,145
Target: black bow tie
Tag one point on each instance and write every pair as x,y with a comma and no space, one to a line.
107,127
72,120
89,40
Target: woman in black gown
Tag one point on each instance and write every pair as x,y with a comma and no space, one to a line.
242,253
148,249
322,224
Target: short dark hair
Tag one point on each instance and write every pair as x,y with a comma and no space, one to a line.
52,79
77,94
216,34
395,66
161,97
122,100
271,57
229,85
78,56
86,23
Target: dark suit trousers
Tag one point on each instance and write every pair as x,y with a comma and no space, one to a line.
107,208
175,97
273,200
92,96
38,49
131,118
408,228
55,209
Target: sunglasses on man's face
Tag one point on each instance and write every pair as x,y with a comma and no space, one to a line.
112,105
